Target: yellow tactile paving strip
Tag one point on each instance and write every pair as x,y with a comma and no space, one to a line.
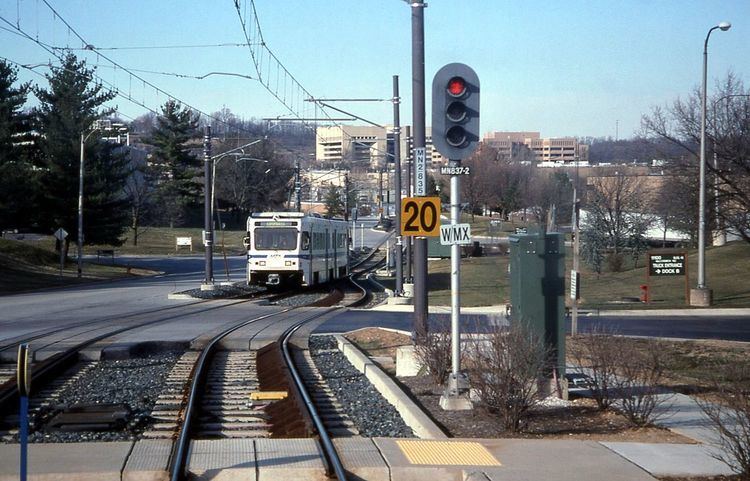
446,453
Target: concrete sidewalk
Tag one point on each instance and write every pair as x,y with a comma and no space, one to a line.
683,415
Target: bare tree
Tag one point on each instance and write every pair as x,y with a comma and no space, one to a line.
477,188
640,375
730,415
728,139
617,208
550,192
258,181
139,192
508,370
433,351
598,354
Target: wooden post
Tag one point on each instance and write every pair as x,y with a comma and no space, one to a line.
687,279
648,280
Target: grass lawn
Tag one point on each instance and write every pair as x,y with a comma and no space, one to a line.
484,282
25,267
161,241
727,273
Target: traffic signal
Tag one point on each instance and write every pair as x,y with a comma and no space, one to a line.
455,111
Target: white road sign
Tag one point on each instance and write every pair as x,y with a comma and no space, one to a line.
61,234
455,234
420,172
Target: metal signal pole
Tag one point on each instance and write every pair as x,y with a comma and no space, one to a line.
208,230
409,193
418,113
397,166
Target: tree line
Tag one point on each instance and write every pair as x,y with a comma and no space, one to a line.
156,181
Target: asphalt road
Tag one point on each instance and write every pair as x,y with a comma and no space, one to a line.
732,328
22,312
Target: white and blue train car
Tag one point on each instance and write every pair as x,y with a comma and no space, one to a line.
291,248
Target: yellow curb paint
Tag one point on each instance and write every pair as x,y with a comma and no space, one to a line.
454,453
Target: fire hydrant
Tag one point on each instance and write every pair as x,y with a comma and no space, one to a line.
644,293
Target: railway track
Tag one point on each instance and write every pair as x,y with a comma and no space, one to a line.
211,394
299,402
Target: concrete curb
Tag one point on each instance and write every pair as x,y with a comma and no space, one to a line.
414,417
372,278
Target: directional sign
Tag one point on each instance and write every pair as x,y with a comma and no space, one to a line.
61,234
455,234
420,216
666,265
420,171
574,284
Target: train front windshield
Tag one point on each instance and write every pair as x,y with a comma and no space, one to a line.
267,238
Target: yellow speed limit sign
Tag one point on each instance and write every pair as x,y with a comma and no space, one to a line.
420,216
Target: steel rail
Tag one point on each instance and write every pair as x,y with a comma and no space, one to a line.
180,448
13,342
49,367
329,449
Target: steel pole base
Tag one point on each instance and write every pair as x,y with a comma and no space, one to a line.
701,297
456,394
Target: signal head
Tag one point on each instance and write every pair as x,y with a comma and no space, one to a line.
456,87
455,111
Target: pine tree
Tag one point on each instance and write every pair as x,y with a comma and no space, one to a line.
18,179
173,169
66,111
333,202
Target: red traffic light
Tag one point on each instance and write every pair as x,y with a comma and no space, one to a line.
456,86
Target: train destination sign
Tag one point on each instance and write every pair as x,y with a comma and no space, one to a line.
666,265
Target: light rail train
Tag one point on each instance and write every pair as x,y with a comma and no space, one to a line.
295,249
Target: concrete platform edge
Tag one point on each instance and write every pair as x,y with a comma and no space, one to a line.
414,417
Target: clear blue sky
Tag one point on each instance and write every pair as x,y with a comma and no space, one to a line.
559,67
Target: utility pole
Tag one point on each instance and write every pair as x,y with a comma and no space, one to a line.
575,277
208,228
397,166
420,327
297,185
380,192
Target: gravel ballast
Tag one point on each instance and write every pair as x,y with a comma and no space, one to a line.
370,412
135,382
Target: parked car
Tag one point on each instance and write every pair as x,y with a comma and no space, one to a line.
577,380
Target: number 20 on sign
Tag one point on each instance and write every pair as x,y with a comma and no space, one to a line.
420,216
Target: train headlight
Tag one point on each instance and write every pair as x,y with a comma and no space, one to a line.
289,263
261,263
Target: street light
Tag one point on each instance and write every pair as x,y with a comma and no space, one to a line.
701,295
97,126
240,153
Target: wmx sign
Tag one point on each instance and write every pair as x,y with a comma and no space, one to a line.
455,234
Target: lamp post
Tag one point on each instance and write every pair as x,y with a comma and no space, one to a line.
97,126
208,283
701,295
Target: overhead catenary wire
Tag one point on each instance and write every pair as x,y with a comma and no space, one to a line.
58,54
257,58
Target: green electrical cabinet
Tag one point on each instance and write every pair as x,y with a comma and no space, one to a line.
436,250
537,287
